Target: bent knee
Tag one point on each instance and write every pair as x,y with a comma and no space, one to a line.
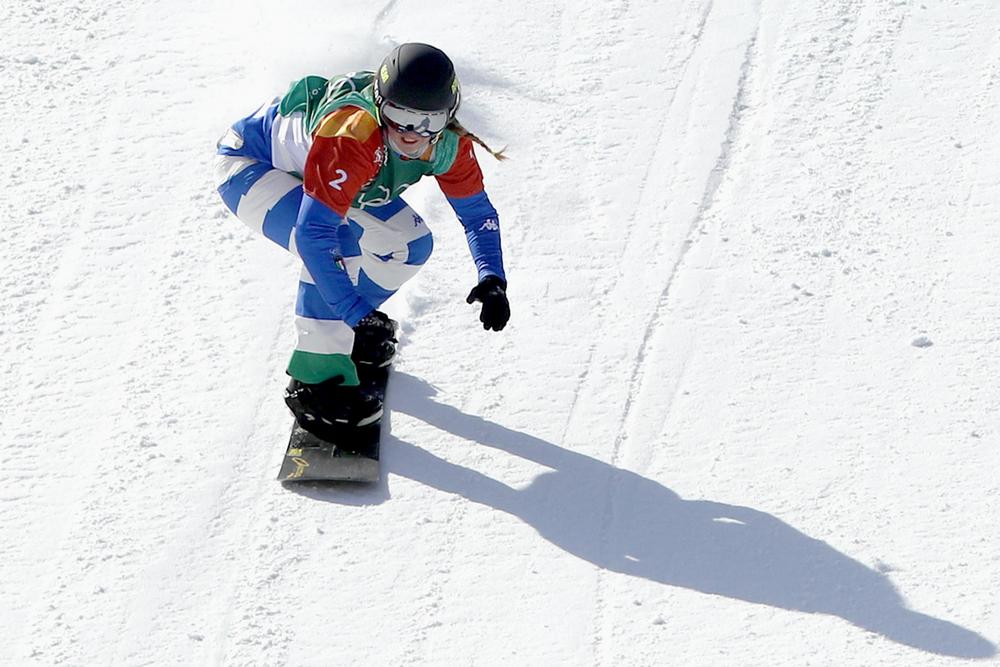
227,171
419,249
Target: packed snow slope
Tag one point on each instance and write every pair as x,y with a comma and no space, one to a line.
745,411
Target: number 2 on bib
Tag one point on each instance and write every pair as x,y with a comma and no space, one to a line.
341,177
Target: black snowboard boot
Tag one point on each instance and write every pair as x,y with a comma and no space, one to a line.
331,411
374,341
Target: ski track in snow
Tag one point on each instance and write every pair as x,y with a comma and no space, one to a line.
705,438
650,201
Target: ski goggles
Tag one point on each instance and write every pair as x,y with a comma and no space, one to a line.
423,123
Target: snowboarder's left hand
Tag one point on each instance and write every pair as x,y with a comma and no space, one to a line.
492,293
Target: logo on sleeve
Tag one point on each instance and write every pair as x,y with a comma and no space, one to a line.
490,225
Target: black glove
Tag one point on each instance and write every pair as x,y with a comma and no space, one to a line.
374,340
491,291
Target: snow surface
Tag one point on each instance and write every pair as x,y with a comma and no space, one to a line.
745,413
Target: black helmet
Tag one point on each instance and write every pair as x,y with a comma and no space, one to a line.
420,77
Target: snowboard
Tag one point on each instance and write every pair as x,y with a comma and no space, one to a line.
352,459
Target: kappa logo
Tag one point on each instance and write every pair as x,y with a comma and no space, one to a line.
417,220
490,225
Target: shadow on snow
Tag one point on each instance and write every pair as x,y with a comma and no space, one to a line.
626,523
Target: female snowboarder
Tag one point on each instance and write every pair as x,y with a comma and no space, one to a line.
320,171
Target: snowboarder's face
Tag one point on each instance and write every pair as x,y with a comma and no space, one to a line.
407,143
411,132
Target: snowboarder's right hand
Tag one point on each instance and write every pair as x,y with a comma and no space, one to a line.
492,293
